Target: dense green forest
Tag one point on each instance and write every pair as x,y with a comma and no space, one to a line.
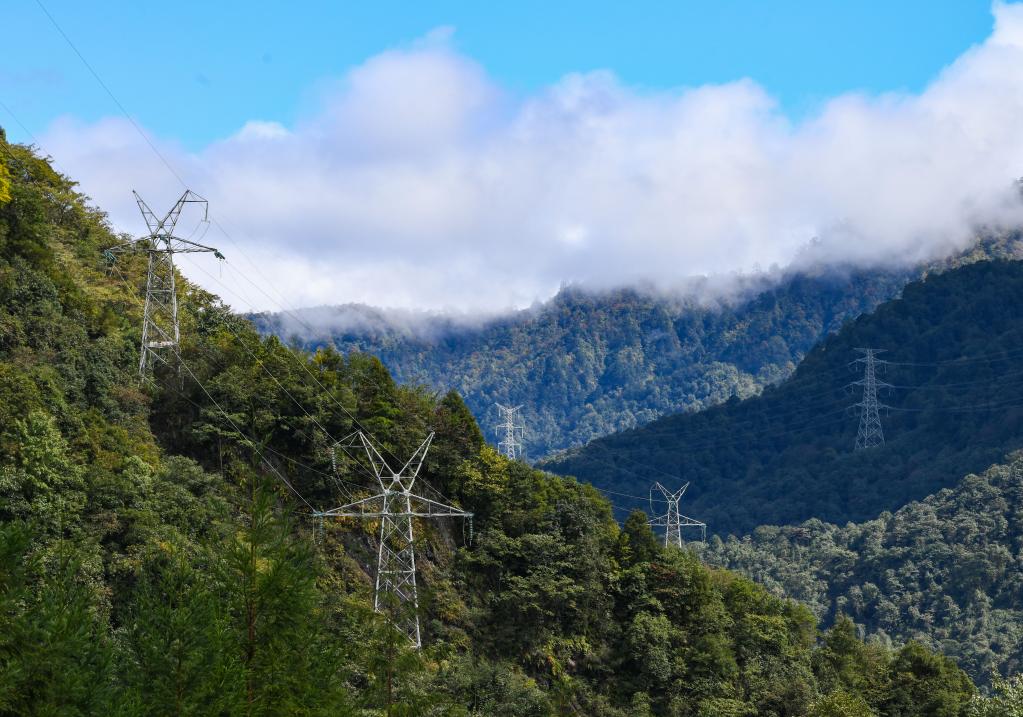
589,363
953,342
152,561
586,364
946,571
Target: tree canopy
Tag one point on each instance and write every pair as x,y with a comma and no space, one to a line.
152,560
786,455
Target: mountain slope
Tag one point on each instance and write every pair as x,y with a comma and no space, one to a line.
587,364
946,571
954,340
153,560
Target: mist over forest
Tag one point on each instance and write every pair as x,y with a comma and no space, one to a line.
603,359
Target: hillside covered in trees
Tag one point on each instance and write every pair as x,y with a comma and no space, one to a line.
589,363
153,562
586,364
953,342
945,571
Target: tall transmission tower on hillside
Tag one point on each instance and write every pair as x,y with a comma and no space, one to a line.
673,521
395,506
510,445
161,330
870,434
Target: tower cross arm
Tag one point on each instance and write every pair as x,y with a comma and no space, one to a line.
372,507
393,514
166,225
186,246
865,381
671,497
177,246
356,508
427,507
125,247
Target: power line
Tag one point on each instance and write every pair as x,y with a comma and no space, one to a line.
752,416
336,479
976,358
25,129
102,84
767,430
171,169
242,434
324,391
255,446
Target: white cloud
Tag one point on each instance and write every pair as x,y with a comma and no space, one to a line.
420,183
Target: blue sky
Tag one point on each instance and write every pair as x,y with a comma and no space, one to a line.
477,156
197,71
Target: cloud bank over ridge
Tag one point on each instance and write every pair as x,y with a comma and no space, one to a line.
418,182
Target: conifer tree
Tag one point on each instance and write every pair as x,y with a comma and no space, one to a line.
178,658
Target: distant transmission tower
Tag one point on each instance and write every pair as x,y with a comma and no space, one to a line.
673,521
161,330
869,434
510,446
396,505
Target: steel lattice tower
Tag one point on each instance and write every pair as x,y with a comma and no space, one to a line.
673,521
510,446
870,434
396,505
161,330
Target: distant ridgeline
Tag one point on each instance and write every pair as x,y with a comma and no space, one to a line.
946,571
954,342
587,364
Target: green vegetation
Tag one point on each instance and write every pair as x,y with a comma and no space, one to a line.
946,571
587,364
786,455
149,564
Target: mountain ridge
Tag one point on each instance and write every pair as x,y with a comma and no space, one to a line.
603,362
588,363
787,454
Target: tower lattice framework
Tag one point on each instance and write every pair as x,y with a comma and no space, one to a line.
870,433
510,445
396,506
673,521
161,328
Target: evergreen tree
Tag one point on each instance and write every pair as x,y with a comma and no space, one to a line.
178,651
56,655
268,575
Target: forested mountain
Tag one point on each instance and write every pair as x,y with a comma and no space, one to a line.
153,562
946,571
586,364
953,342
589,363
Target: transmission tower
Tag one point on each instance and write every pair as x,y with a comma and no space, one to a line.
161,331
395,506
869,434
673,521
510,446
